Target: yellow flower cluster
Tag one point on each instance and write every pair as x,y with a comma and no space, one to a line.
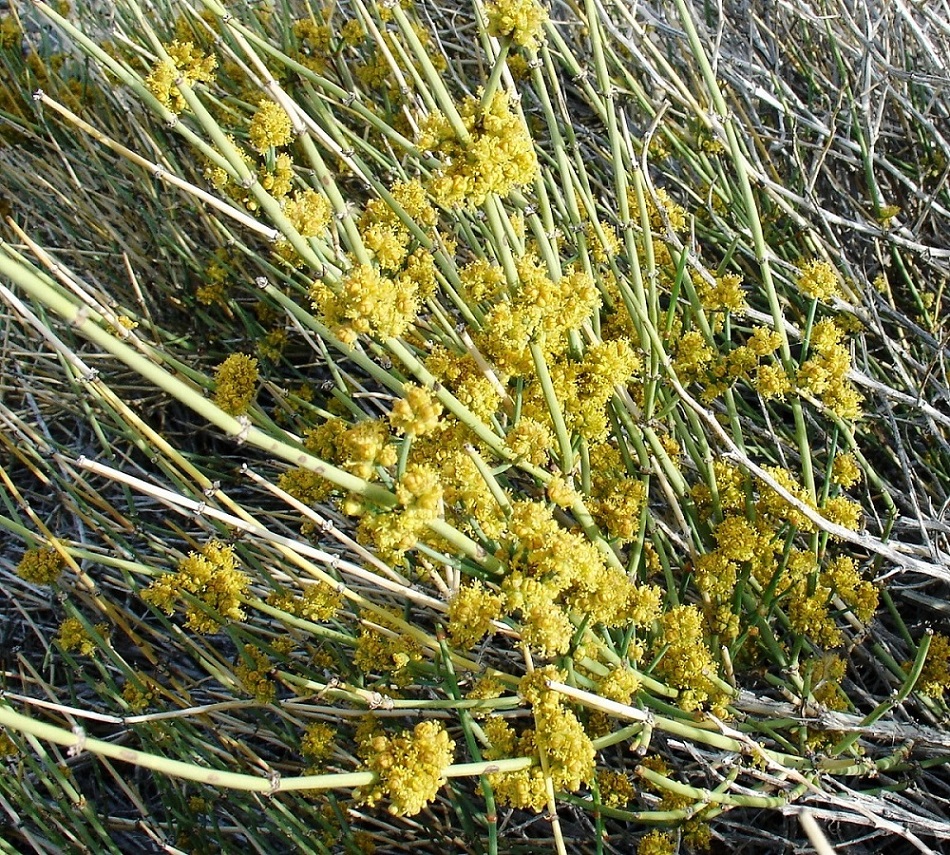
185,63
521,20
308,212
270,127
419,493
568,750
382,58
935,677
808,591
808,614
657,842
471,612
482,281
212,283
416,413
382,648
842,511
686,660
235,383
139,692
366,302
620,684
540,311
664,209
616,789
825,375
522,789
826,674
530,440
693,356
304,485
277,179
724,294
73,636
771,507
411,767
360,449
818,280
771,381
221,180
617,498
764,340
320,602
845,470
389,244
318,741
545,626
313,36
498,156
860,595
212,578
41,566
554,572
411,196
468,503
485,688
254,672
601,249
741,544
584,387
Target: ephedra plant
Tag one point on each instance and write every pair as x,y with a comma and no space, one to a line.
474,427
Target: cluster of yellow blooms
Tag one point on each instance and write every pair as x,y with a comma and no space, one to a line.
497,157
41,566
410,766
318,741
686,661
615,788
383,298
319,602
416,413
657,842
254,671
819,280
471,612
521,20
236,383
825,375
74,637
212,578
307,211
757,542
382,648
139,692
270,127
419,494
554,572
935,675
558,736
185,64
365,302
